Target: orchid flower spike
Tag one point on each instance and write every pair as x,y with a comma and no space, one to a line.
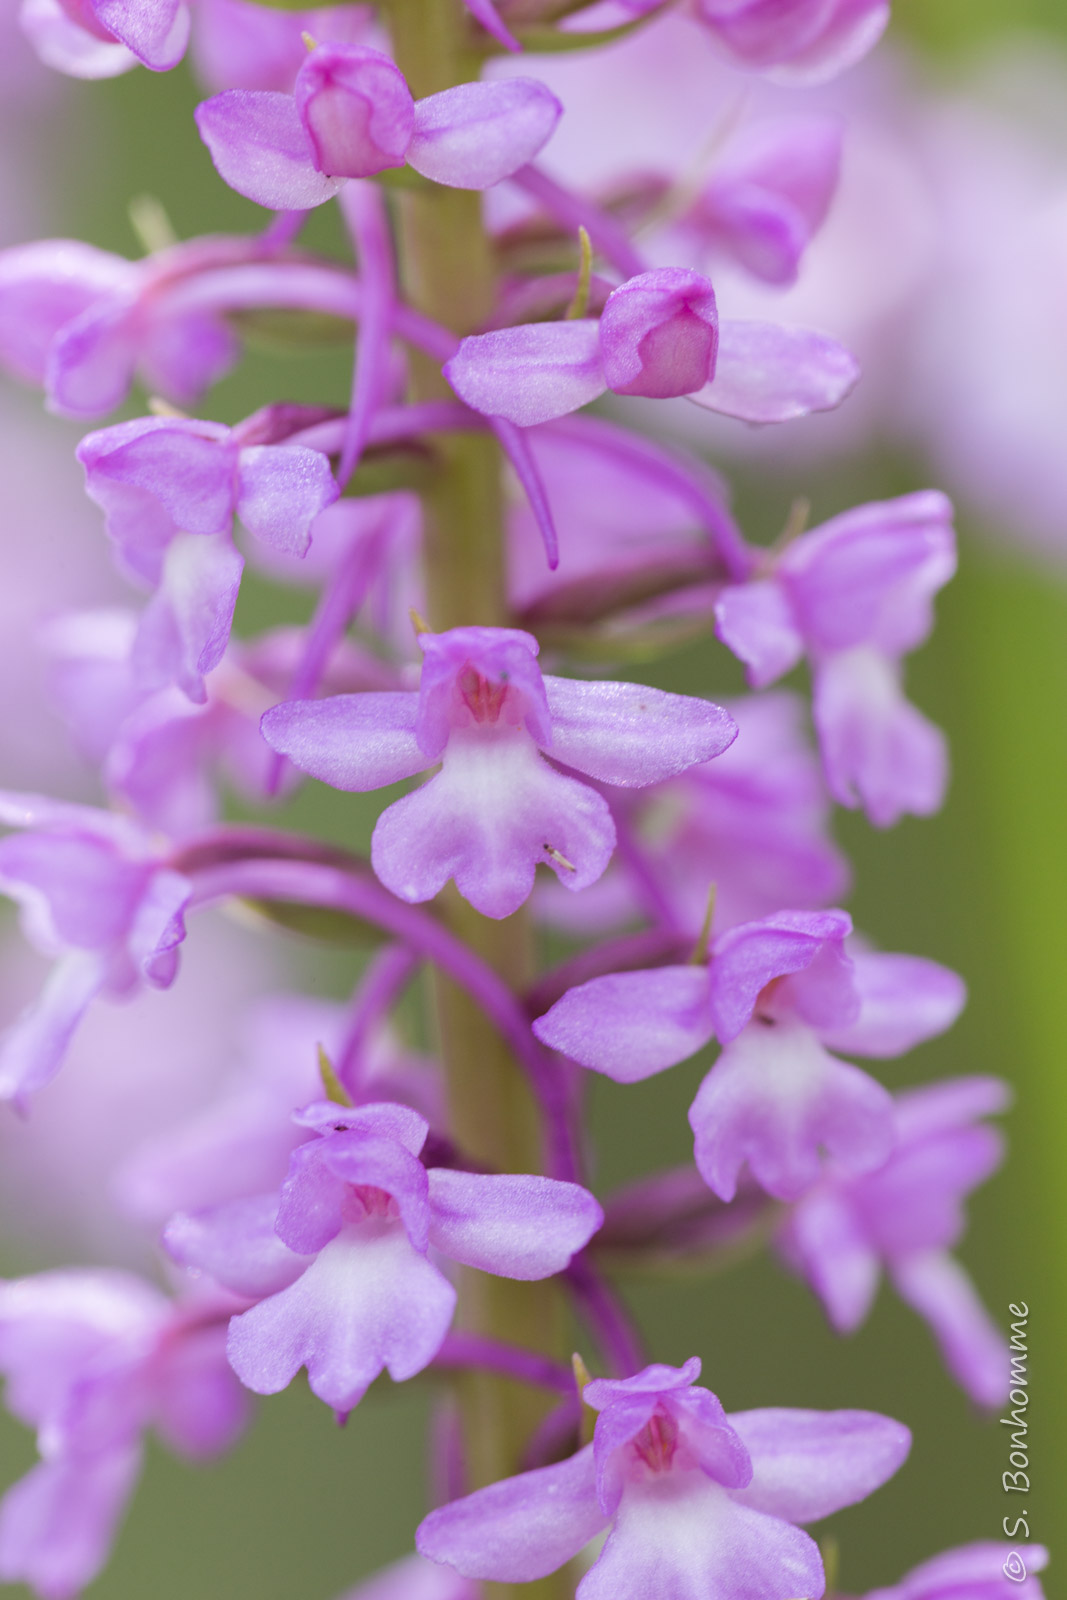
694,1501
352,115
660,336
497,807
776,993
339,1262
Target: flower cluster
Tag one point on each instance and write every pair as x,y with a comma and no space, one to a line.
343,1203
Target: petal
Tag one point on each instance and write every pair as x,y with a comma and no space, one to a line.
971,1569
200,1408
236,1245
521,1528
489,816
159,927
92,359
382,1120
808,1464
973,1348
156,477
64,46
936,1108
43,287
531,373
878,750
869,575
261,148
515,1225
472,136
384,1164
630,1025
747,958
824,1240
368,1301
629,734
414,1578
766,373
185,627
157,31
182,353
678,1536
903,1000
754,620
352,741
776,1099
281,490
32,1050
57,1523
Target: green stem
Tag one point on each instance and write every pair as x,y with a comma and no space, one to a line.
447,271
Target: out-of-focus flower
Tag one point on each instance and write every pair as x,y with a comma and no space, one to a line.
97,895
93,1359
905,1217
983,1571
855,595
170,489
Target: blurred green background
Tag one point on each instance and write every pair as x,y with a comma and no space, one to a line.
302,1509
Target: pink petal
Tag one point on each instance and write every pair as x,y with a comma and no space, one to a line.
776,1100
157,31
878,750
64,46
808,1464
236,1245
515,1225
531,373
472,136
824,1240
186,625
352,741
903,999
974,1348
43,287
521,1528
280,491
677,1533
493,812
630,1025
261,148
747,958
57,1523
32,1050
629,734
755,621
368,1302
766,373
92,359
200,1408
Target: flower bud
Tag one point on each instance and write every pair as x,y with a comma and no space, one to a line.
357,110
659,334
